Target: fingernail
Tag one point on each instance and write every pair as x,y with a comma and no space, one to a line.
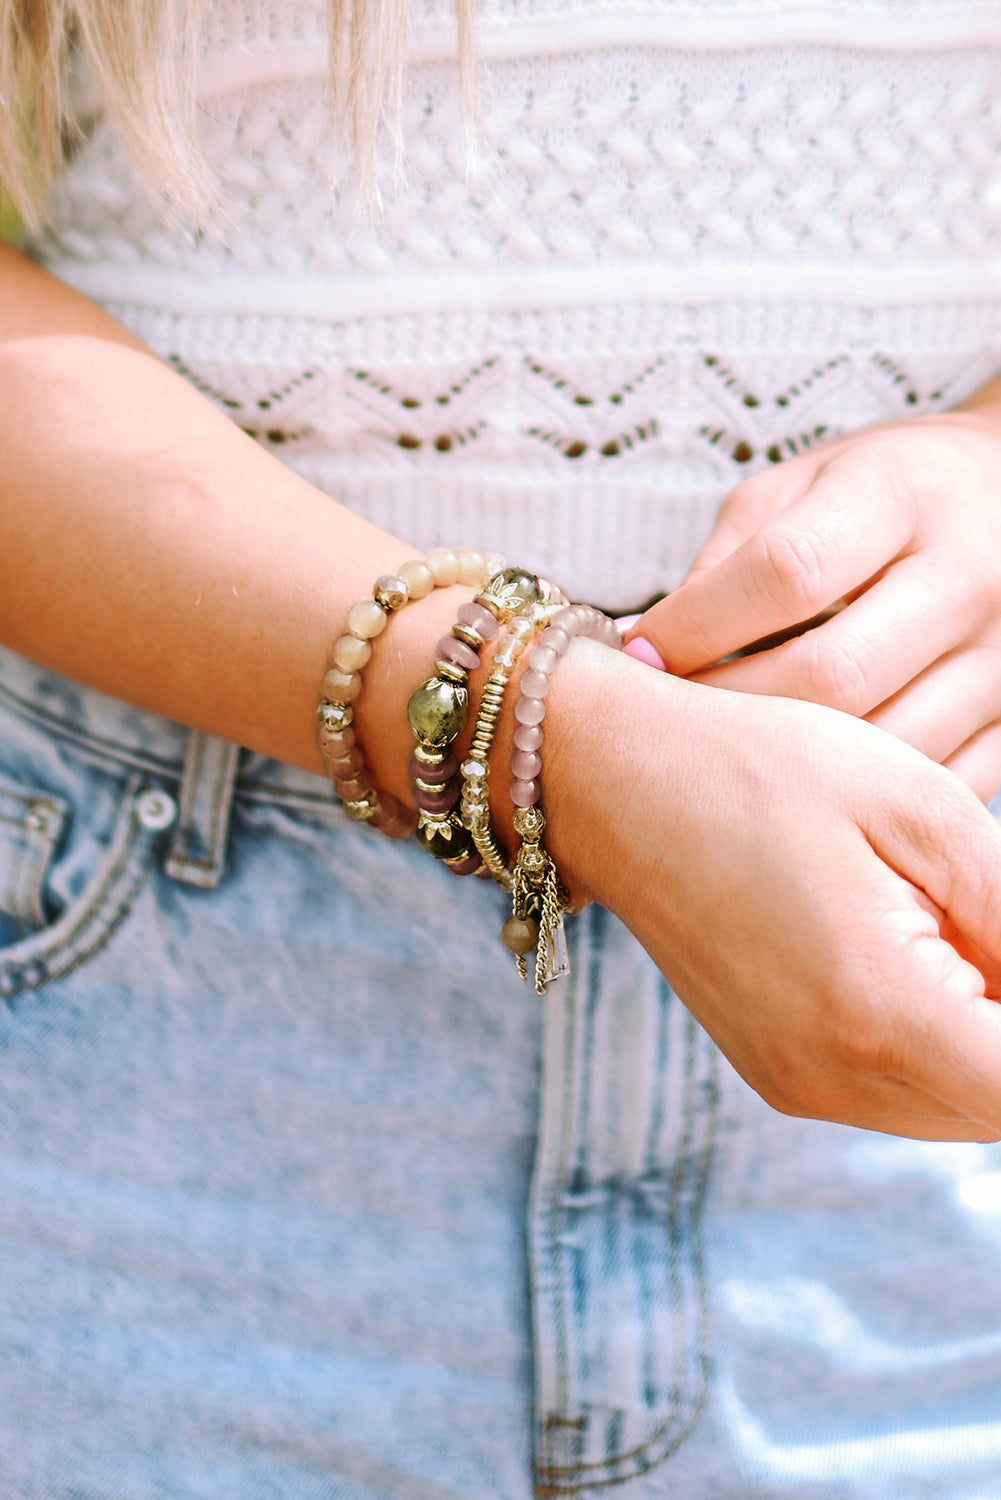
645,651
626,623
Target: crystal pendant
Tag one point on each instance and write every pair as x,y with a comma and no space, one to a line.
557,954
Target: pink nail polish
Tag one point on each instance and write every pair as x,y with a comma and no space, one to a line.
645,651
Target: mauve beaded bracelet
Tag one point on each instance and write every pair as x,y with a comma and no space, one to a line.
342,684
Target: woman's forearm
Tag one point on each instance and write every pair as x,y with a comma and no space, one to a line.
153,550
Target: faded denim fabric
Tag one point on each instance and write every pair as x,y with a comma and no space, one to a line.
301,1191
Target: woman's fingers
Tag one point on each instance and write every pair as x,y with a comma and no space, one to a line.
840,535
978,762
750,505
864,654
948,704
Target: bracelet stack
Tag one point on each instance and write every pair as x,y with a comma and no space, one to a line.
452,819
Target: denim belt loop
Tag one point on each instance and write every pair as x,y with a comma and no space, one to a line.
197,853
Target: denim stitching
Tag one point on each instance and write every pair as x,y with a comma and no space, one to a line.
552,1478
88,925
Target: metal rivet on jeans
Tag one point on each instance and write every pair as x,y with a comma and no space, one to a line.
155,809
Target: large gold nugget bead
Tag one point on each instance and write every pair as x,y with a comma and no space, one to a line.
437,711
520,935
510,592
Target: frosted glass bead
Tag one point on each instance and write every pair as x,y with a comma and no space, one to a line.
335,743
530,710
478,618
343,767
444,565
456,653
472,566
352,790
524,793
434,775
526,764
418,578
527,736
535,684
350,653
436,802
555,639
544,659
366,619
342,687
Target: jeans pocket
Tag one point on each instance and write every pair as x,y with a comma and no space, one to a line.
70,871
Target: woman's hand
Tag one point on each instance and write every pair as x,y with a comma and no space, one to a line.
824,899
894,536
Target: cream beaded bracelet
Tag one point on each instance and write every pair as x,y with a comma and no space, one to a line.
342,684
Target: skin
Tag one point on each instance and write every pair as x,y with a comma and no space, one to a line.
893,536
825,898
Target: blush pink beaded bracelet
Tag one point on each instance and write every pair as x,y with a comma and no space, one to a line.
538,900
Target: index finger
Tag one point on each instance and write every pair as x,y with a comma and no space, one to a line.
844,531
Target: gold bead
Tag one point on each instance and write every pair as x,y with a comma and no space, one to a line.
450,670
520,935
390,592
334,716
360,809
467,634
529,822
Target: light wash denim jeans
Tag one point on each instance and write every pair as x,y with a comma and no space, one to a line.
302,1192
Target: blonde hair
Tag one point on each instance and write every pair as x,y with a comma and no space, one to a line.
145,57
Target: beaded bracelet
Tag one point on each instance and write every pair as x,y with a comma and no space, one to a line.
538,900
342,684
475,811
438,709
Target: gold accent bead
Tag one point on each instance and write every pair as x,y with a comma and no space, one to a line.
450,670
360,809
520,935
428,755
467,634
334,716
390,592
529,822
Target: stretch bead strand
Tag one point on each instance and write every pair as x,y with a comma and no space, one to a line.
538,900
439,707
475,811
342,684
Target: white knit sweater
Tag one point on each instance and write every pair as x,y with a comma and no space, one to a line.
698,236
